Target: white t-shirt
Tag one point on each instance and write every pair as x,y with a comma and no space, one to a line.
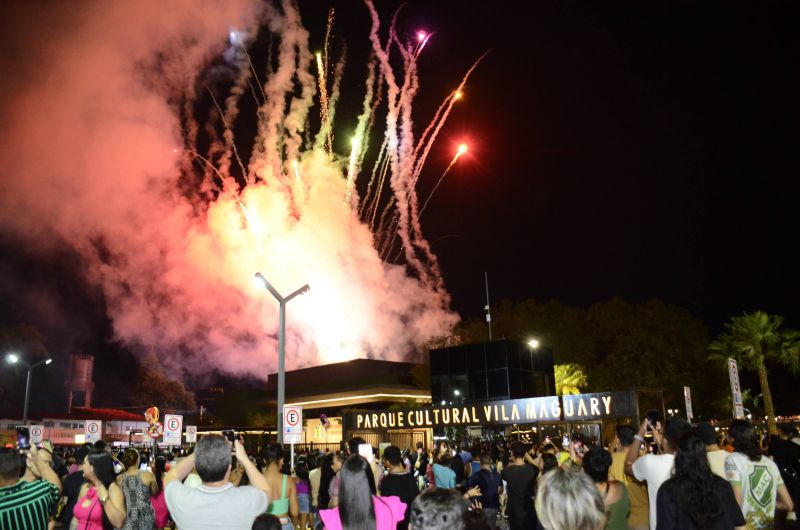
716,461
214,508
655,470
759,482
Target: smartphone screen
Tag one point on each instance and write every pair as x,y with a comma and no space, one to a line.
365,450
565,441
23,438
652,416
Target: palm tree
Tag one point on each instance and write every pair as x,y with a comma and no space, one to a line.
569,379
753,339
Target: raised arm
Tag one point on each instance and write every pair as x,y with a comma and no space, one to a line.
257,480
633,450
39,463
180,471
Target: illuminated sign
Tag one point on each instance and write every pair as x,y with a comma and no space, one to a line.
601,405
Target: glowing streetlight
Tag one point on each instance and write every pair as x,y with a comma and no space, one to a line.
13,358
281,343
533,343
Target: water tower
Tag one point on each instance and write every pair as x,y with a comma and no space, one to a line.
79,380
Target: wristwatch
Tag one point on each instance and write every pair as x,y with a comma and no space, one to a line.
103,500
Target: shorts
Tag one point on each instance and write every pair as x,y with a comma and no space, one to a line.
304,502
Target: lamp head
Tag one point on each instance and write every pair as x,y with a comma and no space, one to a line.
48,361
533,343
12,358
259,282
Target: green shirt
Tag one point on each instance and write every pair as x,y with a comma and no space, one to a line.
618,512
27,505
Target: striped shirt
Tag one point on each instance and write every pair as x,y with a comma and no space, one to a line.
27,505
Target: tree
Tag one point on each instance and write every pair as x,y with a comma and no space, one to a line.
569,379
754,340
618,344
153,388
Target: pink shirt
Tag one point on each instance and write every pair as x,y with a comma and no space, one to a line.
89,517
388,512
159,503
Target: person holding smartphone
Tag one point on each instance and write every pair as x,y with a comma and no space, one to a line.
655,469
32,501
217,503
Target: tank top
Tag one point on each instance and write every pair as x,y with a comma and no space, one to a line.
618,512
302,487
160,507
280,506
139,513
89,517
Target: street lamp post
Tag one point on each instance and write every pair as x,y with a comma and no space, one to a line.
281,344
12,358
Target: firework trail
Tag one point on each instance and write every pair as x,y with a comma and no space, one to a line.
169,194
400,159
461,150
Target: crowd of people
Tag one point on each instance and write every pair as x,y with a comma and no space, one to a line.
689,478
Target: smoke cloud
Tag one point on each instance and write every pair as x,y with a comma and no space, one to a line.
93,149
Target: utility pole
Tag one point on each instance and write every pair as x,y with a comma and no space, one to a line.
488,308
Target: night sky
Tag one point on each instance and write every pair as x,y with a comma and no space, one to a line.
629,149
635,149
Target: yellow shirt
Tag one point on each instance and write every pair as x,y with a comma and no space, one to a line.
637,491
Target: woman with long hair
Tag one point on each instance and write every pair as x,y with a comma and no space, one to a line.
596,463
696,498
284,506
326,475
359,507
756,480
303,487
137,486
159,502
101,503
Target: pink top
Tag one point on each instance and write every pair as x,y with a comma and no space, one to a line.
89,517
160,507
388,512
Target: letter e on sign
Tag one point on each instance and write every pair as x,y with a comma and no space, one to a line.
292,424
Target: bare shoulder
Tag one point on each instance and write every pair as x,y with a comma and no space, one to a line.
115,490
616,491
